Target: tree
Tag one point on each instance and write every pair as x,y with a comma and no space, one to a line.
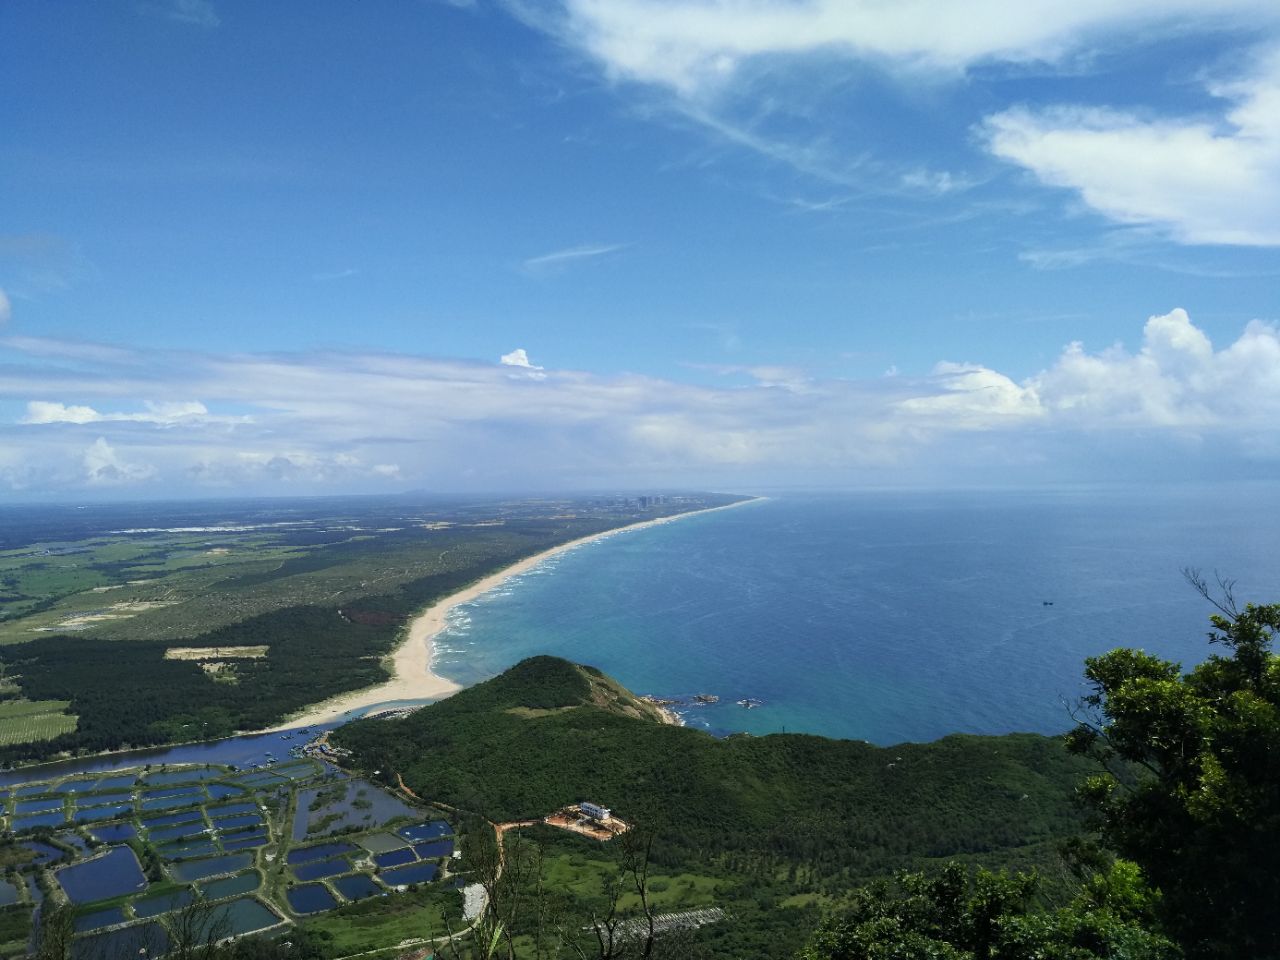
950,915
1201,814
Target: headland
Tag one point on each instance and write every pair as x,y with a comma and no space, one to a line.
412,677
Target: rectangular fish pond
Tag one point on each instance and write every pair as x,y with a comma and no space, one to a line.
310,898
113,874
319,869
353,805
358,886
188,870
99,919
414,873
230,886
113,832
125,942
432,830
321,851
154,906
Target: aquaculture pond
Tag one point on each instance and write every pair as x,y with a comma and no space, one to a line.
154,906
54,819
353,805
187,870
99,919
319,869
246,915
245,843
187,849
382,842
144,939
357,886
217,834
38,806
310,898
113,832
434,850
93,814
414,873
322,851
186,816
230,886
396,858
113,874
426,831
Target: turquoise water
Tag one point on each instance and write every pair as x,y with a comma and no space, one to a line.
885,617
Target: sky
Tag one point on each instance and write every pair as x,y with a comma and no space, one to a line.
503,245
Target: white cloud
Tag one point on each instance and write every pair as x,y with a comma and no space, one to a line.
517,358
161,413
754,73
1204,180
6,309
104,467
559,259
972,397
696,47
1176,380
347,421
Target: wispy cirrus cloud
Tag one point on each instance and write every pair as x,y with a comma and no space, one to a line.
558,260
346,421
197,13
325,276
753,75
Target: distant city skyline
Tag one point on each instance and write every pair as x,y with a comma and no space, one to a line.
495,245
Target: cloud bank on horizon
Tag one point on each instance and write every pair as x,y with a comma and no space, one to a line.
148,420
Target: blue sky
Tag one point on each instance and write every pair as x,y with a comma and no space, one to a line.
286,247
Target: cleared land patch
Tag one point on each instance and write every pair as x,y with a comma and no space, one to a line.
28,721
216,653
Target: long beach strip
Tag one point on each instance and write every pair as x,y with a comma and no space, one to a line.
411,675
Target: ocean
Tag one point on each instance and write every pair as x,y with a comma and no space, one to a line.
886,617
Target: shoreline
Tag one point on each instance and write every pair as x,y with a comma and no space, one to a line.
412,677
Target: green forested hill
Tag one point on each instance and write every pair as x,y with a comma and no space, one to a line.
782,816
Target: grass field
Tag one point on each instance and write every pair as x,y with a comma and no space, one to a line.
27,721
387,921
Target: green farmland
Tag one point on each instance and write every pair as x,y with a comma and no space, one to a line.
31,721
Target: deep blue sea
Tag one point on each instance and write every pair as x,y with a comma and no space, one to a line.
888,616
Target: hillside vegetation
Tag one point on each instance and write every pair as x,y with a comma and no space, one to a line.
783,821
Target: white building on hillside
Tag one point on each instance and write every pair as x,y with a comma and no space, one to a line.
595,811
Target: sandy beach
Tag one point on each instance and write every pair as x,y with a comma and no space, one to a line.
412,677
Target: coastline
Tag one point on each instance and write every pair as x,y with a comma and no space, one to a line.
411,675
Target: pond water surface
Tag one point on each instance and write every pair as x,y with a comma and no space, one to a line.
189,870
112,874
310,898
